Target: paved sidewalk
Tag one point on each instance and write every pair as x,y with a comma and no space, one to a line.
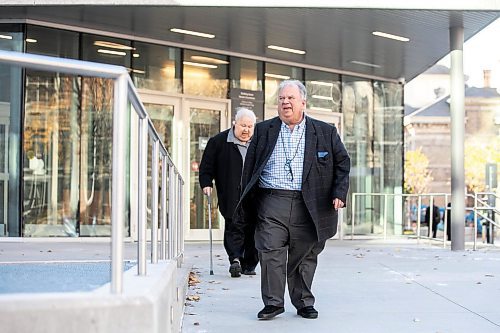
360,286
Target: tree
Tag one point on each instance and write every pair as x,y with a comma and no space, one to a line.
417,174
477,154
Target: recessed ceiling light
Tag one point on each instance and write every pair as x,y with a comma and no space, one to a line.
198,64
112,52
5,37
277,76
285,49
390,36
326,98
112,45
321,109
193,33
209,60
136,55
321,83
364,63
31,40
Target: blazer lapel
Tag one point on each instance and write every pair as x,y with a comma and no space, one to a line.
310,148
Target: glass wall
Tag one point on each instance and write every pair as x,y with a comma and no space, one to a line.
373,136
205,74
323,91
64,165
11,39
51,147
274,74
156,67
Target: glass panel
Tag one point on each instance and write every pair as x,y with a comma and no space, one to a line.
246,74
156,67
388,150
106,50
96,153
51,155
204,124
11,39
357,107
323,91
274,75
3,145
246,86
205,74
162,117
51,42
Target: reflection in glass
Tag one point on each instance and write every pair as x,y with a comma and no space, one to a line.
156,67
323,91
357,107
51,155
10,118
204,124
274,75
205,74
246,74
162,117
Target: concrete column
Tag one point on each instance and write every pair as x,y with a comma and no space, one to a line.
457,114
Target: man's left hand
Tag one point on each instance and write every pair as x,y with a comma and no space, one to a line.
337,203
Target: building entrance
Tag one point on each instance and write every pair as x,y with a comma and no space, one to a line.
185,125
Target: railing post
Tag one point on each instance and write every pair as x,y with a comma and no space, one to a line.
163,244
179,216
385,216
431,218
353,215
475,222
142,195
118,182
171,194
154,202
419,203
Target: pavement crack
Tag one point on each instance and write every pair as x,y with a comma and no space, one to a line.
440,295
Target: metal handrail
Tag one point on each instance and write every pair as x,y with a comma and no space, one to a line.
125,92
431,196
478,212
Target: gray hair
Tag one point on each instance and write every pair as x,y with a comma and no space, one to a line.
298,84
244,112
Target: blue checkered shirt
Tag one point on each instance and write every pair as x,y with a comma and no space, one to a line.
290,146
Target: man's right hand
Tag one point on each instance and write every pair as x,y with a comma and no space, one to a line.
207,190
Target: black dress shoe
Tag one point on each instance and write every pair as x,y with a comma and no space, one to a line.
235,269
308,312
270,311
248,271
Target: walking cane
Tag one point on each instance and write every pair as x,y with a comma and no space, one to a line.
210,231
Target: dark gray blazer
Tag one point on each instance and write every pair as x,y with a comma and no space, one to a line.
324,178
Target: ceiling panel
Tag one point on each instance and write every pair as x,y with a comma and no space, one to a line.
332,37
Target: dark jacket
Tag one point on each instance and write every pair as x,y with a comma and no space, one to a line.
323,178
222,162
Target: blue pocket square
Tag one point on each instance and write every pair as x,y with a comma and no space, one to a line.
322,154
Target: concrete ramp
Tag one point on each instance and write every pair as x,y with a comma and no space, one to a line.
152,303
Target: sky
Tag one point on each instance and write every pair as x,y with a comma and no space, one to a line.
481,52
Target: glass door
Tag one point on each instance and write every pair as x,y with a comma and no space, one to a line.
206,118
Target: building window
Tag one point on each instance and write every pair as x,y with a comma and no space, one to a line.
205,74
274,75
323,91
156,67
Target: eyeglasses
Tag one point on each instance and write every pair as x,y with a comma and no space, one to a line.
288,169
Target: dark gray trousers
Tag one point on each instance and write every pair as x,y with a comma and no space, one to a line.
285,238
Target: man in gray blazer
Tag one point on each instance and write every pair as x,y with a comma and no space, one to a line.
295,178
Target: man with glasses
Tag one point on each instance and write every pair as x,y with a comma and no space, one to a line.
223,161
296,177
